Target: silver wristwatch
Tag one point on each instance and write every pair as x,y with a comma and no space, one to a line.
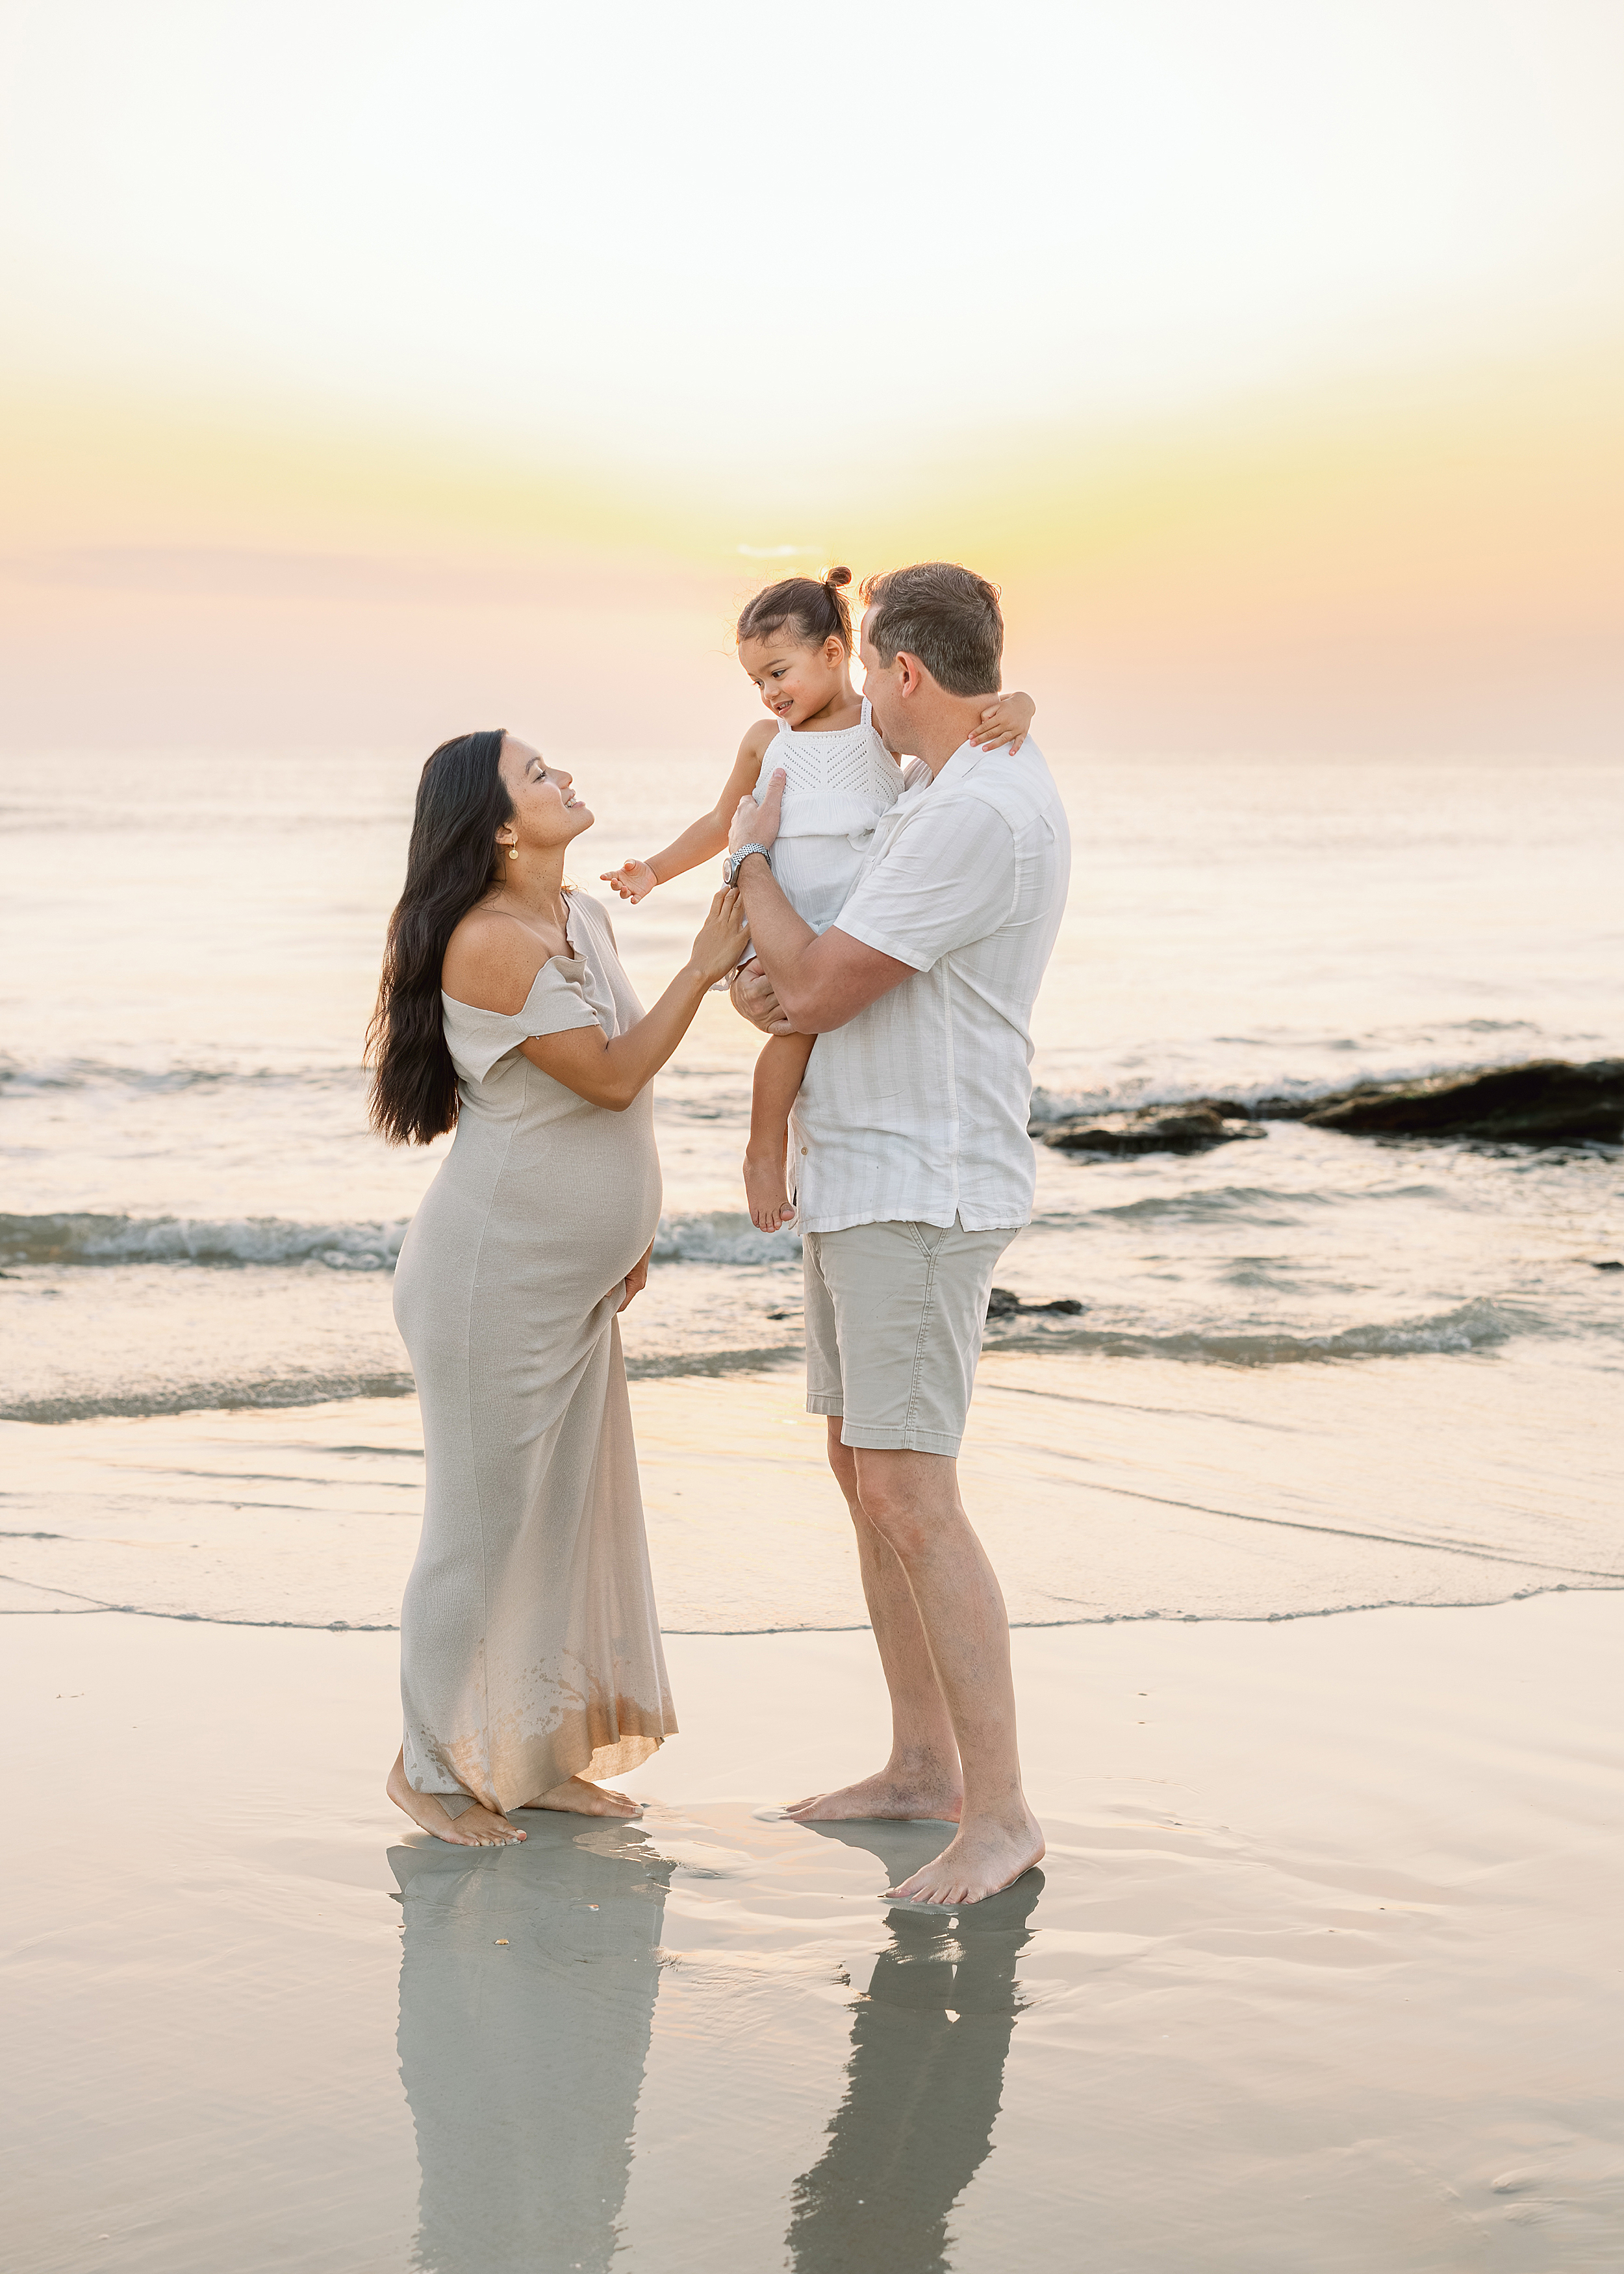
736,861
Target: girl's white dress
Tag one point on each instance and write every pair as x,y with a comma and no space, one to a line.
839,784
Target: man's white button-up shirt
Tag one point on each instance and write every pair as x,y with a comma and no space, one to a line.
915,1111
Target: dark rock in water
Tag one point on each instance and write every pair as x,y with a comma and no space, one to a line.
1155,1129
1004,1303
1546,1101
1607,1267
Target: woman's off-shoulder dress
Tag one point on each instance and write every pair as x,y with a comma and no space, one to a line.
529,1645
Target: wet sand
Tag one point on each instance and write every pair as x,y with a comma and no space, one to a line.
1320,1972
1105,1489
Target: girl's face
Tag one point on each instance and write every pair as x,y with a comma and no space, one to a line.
545,809
795,681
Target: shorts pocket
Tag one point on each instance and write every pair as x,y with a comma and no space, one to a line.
926,1237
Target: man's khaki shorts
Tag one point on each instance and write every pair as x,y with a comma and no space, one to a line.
894,1319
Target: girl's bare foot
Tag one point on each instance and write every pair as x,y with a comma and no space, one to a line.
766,1193
577,1798
475,1827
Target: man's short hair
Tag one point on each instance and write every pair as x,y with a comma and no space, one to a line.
948,616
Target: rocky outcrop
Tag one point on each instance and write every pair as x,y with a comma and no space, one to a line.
1004,1303
1159,1129
1546,1101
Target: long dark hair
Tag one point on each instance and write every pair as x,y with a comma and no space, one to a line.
450,865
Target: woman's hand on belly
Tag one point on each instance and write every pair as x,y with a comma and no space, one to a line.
637,1278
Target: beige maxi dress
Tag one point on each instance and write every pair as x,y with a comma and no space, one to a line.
529,1644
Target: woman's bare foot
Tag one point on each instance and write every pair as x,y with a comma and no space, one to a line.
982,1860
766,1193
577,1798
475,1827
923,1794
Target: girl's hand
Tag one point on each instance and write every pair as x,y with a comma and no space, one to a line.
1009,721
753,998
723,940
636,1279
633,880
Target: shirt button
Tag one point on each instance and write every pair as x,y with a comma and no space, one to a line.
803,1152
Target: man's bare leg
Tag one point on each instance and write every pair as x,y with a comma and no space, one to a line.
911,1501
921,1778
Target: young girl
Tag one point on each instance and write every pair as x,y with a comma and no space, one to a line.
796,643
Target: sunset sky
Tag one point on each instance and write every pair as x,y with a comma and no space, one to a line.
375,371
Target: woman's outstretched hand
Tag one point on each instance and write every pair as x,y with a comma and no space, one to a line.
633,880
636,1279
723,940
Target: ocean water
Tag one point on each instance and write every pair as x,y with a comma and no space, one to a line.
1311,1370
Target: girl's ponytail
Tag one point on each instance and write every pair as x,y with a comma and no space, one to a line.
815,611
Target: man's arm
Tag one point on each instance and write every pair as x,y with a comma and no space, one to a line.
822,980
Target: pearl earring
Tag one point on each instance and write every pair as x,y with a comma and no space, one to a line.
513,852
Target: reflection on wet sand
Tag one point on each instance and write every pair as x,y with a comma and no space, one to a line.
528,1982
528,1985
926,2076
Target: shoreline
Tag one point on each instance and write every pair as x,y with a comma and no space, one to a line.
19,1609
1107,1491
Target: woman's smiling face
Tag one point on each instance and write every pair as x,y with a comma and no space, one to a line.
545,809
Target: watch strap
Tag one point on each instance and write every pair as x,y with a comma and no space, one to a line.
736,861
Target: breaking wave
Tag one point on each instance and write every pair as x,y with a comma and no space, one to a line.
1482,1324
1477,1327
53,1075
272,1391
724,1237
264,1240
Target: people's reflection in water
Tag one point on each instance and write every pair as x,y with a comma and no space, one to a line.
928,2045
527,1983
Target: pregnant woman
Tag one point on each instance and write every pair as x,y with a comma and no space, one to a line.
531,1659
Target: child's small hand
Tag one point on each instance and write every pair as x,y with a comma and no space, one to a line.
633,880
1009,721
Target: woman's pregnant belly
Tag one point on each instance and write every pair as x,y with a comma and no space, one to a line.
524,1234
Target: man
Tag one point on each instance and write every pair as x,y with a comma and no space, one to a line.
914,1171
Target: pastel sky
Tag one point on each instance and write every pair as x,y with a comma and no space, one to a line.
375,370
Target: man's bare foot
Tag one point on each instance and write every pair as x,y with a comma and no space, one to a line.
980,1860
888,1796
475,1827
577,1798
766,1193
